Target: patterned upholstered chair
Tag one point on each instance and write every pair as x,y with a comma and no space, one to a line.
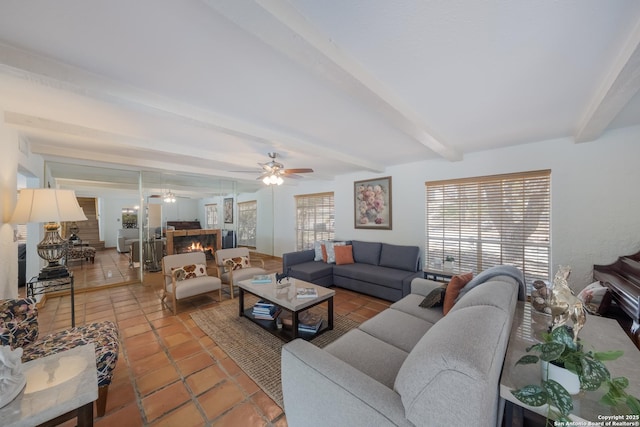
19,328
235,265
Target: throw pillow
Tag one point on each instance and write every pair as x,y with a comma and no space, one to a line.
344,254
435,298
595,298
317,249
331,254
453,289
189,271
237,263
323,248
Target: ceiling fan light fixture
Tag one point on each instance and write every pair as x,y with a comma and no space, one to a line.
169,197
273,179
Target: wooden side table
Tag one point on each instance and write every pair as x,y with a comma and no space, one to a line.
59,387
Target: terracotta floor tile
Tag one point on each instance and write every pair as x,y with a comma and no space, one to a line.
138,352
120,395
165,400
186,415
194,363
230,366
187,349
220,399
134,321
156,379
247,384
135,330
205,379
266,405
128,314
129,416
141,339
244,415
149,364
177,339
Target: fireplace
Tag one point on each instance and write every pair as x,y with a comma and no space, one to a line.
203,240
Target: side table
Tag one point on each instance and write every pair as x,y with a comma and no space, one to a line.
37,286
440,274
59,387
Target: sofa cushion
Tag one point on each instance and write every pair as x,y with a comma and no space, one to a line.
189,271
500,292
344,254
237,263
397,328
410,304
368,354
453,289
331,253
311,270
435,298
457,353
383,276
400,257
317,250
366,252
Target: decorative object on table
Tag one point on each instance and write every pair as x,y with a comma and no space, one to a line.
448,262
12,379
596,298
281,276
74,230
372,203
540,297
228,210
564,305
560,349
50,206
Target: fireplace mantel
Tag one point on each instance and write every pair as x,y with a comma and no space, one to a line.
181,233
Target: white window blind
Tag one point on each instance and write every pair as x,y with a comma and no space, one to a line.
247,221
211,215
491,220
315,214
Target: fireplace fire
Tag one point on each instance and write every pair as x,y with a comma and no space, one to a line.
203,240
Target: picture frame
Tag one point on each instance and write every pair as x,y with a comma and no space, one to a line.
372,203
228,210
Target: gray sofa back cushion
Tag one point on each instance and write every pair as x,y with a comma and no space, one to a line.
366,252
463,351
400,257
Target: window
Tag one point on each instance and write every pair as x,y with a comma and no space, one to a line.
247,220
315,215
211,215
492,220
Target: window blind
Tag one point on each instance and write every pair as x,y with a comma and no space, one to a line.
491,220
247,223
315,214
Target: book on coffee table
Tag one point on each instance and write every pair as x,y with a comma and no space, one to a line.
306,293
261,279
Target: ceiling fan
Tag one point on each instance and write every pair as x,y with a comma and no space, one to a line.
273,171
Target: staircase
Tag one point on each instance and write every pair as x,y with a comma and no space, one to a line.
89,231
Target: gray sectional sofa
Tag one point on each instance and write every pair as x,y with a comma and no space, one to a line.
380,269
408,365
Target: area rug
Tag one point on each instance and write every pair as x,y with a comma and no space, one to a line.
255,350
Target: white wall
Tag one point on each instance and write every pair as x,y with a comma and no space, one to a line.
111,217
594,198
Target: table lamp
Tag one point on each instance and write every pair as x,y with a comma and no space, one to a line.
50,206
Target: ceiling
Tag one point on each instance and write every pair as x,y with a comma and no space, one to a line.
202,89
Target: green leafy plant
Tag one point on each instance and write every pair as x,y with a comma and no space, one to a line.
560,349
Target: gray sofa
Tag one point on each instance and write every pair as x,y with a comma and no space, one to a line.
126,236
380,269
408,365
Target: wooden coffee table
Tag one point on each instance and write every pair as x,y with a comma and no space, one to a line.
284,296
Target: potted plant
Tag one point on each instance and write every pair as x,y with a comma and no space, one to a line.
559,349
448,262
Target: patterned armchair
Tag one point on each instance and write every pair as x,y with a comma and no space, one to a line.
19,328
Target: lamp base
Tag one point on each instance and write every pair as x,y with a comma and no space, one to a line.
53,272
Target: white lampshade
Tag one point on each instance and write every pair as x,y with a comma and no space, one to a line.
47,205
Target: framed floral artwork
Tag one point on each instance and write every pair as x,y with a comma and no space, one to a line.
372,203
228,210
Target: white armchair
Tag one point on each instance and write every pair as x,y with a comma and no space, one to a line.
185,275
235,264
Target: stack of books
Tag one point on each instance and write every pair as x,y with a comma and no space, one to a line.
309,322
264,310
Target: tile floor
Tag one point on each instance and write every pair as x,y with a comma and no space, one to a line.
169,372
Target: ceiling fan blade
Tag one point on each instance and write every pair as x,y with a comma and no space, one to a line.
299,170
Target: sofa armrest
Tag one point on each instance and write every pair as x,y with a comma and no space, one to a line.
424,286
319,390
292,258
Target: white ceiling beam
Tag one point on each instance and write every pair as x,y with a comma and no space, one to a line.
47,72
325,59
617,89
